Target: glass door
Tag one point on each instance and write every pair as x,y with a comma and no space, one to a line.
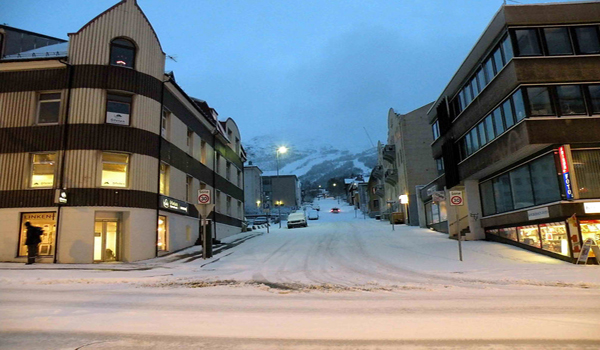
106,240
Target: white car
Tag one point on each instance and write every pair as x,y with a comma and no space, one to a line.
313,215
296,219
316,207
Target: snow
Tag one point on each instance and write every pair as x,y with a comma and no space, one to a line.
41,52
344,278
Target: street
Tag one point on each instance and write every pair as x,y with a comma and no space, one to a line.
344,282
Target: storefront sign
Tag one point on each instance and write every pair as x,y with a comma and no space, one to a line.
431,190
536,214
38,216
117,118
438,196
565,170
173,205
591,207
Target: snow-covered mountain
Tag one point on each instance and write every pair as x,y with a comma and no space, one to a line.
312,160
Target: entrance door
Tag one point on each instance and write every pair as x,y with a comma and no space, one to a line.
106,240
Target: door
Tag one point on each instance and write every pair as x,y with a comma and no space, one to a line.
106,240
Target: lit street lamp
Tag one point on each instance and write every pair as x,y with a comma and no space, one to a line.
281,150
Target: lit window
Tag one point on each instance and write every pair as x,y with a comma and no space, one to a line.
203,152
162,233
164,179
48,108
122,53
118,109
114,169
42,169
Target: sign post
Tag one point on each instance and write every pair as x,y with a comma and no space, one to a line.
456,199
205,207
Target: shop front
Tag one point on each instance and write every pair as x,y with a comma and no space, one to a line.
47,222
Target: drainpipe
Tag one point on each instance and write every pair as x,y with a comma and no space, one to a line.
65,134
162,94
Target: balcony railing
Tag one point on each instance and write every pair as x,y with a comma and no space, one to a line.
378,172
389,153
391,176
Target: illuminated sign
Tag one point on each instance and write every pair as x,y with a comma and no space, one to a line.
173,205
591,207
565,170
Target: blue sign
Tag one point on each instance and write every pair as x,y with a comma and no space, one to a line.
567,183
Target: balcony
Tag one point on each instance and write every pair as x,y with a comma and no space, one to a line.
391,176
377,172
389,153
378,190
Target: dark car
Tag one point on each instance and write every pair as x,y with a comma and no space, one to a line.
335,210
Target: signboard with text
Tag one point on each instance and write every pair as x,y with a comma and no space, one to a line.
456,198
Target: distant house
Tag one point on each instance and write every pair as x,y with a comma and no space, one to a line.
253,189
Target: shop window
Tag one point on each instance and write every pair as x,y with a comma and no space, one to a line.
544,180
529,235
164,124
114,169
594,91
45,221
189,185
489,128
558,41
539,101
570,99
162,233
42,170
118,109
590,229
554,238
428,213
507,49
486,190
498,121
502,193
587,40
522,192
164,179
48,109
508,233
587,171
509,118
517,99
122,53
435,213
443,211
528,43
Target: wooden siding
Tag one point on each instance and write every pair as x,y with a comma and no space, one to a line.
13,171
17,108
91,44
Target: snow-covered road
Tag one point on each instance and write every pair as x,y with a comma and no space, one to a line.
344,282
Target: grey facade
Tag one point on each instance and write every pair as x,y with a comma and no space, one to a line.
253,190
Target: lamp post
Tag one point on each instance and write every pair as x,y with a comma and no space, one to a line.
281,150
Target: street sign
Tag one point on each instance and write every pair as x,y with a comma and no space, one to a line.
456,198
204,197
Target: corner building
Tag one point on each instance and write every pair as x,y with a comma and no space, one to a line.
518,131
105,151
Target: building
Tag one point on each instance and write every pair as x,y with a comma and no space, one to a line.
281,191
518,131
105,151
253,190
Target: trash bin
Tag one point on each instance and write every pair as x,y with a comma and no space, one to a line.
397,218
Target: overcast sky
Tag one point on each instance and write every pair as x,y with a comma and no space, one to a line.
323,68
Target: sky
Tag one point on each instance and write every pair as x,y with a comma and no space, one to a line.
323,69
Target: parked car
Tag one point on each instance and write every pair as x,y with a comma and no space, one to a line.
316,207
335,210
296,220
313,215
261,220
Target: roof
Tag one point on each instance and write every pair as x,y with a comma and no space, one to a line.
55,51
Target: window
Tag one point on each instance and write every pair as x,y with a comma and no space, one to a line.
189,185
587,171
527,42
42,169
509,118
164,124
474,87
463,99
47,222
487,198
114,169
554,237
468,95
468,145
190,141
498,122
118,109
558,41
539,101
519,105
48,109
122,53
481,78
594,91
570,99
488,67
481,130
498,60
529,235
507,49
522,193
237,145
203,152
228,203
439,163
239,179
435,128
164,179
218,163
489,126
474,139
502,193
228,170
218,202
162,233
544,179
587,40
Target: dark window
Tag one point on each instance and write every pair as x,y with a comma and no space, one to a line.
435,128
544,178
539,101
468,94
587,40
527,42
519,105
570,99
463,100
481,78
502,193
48,108
474,87
474,139
498,122
507,49
509,118
118,109
498,61
594,91
488,67
481,130
558,41
587,171
489,126
487,198
439,162
122,53
468,145
520,181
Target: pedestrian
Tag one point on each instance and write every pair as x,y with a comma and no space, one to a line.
33,240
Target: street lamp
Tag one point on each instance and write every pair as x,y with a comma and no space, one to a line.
281,150
404,201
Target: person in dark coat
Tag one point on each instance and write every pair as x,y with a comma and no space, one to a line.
34,234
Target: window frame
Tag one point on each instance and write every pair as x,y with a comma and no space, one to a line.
133,48
127,169
32,164
546,46
39,105
576,42
517,49
122,99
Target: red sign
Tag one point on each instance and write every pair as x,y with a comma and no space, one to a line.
563,159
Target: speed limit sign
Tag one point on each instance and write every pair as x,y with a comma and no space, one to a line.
456,198
204,197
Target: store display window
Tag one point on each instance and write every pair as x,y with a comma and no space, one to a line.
590,229
162,233
554,237
47,222
529,235
508,233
